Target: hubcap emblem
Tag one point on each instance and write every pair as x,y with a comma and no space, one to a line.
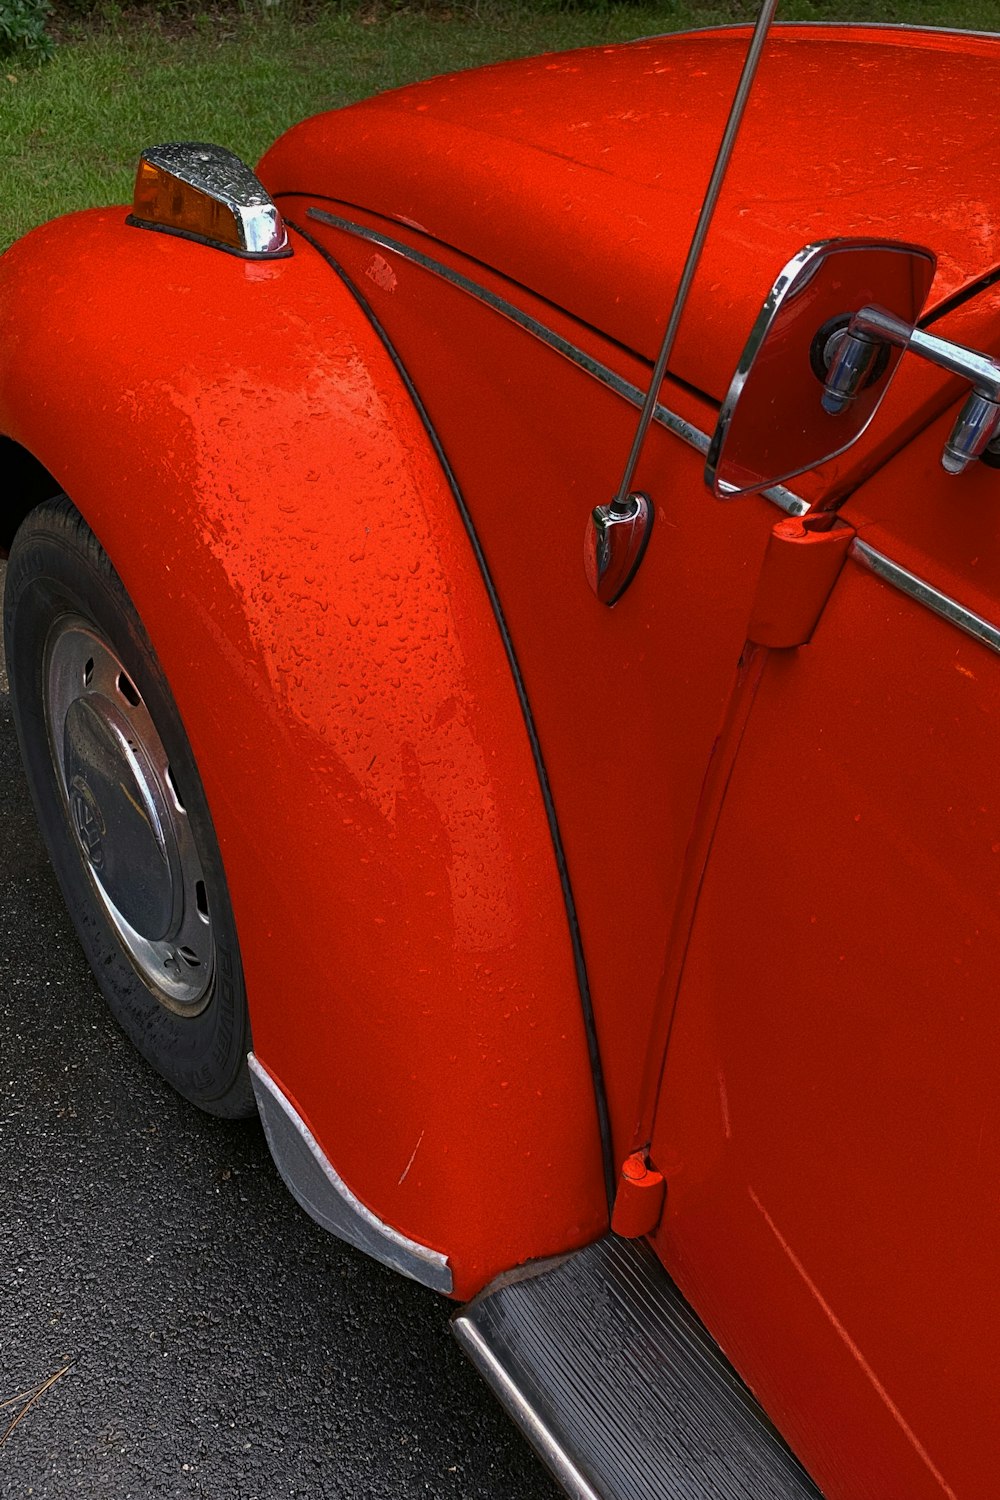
87,820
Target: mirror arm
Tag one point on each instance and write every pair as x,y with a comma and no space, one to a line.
852,360
982,370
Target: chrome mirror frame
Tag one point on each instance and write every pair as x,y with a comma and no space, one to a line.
803,265
792,280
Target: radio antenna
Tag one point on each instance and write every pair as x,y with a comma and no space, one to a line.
620,503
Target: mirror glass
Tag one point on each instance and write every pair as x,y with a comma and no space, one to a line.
773,425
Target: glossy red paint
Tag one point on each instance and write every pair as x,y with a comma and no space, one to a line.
582,174
639,1199
827,1120
801,565
626,720
828,1097
255,468
782,860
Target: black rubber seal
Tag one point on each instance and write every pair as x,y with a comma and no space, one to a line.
199,239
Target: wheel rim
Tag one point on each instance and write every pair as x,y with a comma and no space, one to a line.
127,815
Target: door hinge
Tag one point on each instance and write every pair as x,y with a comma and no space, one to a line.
640,1197
803,559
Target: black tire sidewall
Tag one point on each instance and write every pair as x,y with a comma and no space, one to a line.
57,567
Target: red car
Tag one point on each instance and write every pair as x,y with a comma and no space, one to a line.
593,880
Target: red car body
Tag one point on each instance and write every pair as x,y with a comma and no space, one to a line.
524,885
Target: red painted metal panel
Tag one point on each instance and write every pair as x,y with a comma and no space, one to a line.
581,175
628,701
827,1124
272,502
250,459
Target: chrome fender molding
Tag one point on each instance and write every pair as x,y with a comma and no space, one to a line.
318,1188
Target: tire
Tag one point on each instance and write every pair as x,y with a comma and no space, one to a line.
122,810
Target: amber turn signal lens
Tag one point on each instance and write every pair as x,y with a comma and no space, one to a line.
160,198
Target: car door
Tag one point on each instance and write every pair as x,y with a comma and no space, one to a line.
828,1121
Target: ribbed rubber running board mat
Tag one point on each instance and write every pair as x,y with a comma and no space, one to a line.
619,1387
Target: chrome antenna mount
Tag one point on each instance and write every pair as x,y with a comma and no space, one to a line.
621,504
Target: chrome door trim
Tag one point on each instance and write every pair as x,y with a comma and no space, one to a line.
783,498
926,594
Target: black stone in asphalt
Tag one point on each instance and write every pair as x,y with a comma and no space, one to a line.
220,1346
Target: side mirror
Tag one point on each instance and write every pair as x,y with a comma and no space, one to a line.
773,424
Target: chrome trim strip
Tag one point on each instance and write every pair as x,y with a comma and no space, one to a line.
786,500
783,498
926,594
325,1196
517,1406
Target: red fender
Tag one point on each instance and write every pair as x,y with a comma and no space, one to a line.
243,445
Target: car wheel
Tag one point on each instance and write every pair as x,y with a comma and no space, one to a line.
123,812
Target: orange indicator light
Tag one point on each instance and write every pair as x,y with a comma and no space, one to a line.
163,199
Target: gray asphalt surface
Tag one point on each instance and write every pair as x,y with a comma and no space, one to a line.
219,1345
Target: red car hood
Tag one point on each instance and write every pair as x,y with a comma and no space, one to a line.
580,175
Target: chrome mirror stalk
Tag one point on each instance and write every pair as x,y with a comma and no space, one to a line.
870,330
975,428
852,359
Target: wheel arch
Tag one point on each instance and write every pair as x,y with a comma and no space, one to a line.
24,483
242,445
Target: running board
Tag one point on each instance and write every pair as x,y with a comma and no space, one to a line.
620,1389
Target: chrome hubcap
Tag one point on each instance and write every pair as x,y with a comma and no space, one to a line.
128,817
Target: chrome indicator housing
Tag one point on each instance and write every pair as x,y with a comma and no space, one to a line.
206,193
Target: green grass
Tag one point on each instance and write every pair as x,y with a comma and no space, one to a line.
70,131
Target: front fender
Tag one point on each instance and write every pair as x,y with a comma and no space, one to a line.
243,446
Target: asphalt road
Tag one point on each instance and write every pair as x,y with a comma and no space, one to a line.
218,1344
